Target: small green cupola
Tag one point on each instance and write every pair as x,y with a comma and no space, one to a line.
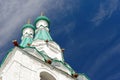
42,24
42,20
28,26
27,34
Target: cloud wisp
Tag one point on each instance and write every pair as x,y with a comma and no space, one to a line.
105,11
12,14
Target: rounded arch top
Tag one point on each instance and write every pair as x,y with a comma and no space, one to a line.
46,76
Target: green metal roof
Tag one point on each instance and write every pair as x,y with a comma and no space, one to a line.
5,56
42,18
43,35
25,41
28,26
65,65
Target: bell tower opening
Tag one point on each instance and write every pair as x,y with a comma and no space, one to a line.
46,76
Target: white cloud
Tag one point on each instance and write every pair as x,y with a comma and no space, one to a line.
13,13
16,12
106,9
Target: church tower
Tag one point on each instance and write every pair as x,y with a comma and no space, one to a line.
37,57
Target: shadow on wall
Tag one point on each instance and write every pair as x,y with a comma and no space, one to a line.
46,76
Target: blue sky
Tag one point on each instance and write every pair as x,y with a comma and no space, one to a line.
88,30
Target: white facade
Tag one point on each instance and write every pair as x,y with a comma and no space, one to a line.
21,65
51,48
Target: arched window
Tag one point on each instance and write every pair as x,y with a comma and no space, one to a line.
46,76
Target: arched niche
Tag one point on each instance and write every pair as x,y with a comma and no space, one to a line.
46,76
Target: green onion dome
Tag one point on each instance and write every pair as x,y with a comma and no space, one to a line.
42,18
28,26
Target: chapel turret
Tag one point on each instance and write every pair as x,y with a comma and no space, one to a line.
27,34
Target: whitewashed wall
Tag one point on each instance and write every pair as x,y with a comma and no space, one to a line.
23,66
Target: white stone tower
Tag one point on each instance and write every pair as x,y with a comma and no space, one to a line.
38,57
